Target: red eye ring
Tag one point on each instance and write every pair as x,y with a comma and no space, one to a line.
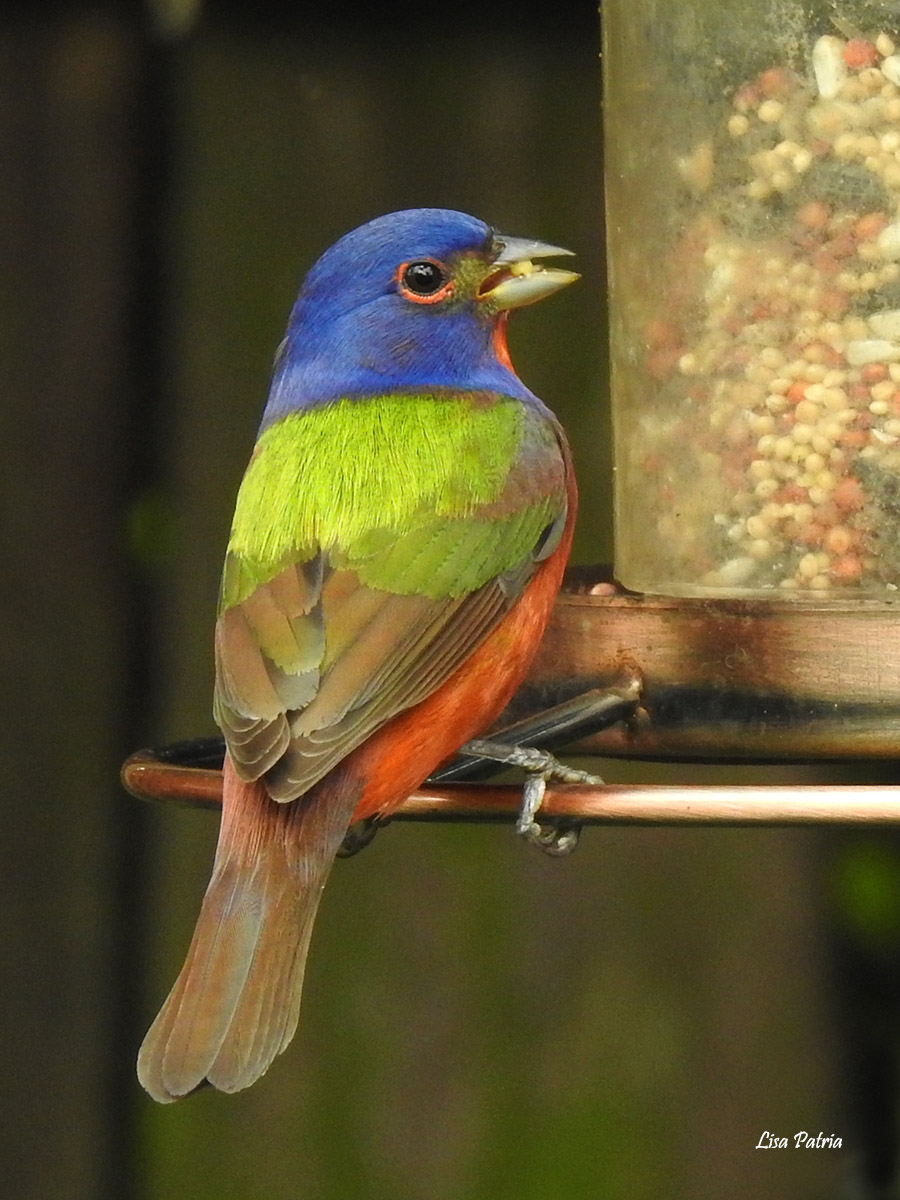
423,281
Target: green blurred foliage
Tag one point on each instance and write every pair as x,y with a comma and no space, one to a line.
151,529
865,887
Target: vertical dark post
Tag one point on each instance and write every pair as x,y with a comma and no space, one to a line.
78,388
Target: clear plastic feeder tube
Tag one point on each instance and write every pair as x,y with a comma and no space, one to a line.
753,193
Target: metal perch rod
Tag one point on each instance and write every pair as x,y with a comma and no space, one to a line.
618,804
626,804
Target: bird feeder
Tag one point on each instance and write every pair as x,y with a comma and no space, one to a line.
753,215
754,219
753,192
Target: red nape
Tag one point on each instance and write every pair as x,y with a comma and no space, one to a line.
501,350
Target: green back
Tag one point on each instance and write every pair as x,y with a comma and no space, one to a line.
423,494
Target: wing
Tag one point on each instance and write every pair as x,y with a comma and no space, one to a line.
324,644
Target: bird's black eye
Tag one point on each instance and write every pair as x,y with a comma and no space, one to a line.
423,278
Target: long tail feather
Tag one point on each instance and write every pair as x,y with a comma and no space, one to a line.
234,1006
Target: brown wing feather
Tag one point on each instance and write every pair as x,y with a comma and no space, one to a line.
377,654
424,656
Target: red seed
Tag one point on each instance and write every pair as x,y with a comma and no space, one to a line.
827,264
848,495
869,226
814,214
796,392
847,568
775,82
873,372
859,53
811,534
663,333
854,439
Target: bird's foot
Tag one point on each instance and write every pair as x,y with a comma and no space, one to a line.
559,838
358,836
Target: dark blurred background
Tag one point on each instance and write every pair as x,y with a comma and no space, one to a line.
480,1022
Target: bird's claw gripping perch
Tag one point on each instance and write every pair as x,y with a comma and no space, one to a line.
557,839
561,837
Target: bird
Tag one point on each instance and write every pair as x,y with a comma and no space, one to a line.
398,541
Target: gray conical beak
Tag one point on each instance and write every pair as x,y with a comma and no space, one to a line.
515,279
513,249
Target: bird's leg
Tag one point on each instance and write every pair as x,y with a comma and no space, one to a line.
584,714
541,767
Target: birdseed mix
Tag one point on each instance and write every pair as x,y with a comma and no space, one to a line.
772,453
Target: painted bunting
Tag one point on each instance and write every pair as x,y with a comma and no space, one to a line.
398,541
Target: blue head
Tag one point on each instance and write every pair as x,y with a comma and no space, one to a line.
412,301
